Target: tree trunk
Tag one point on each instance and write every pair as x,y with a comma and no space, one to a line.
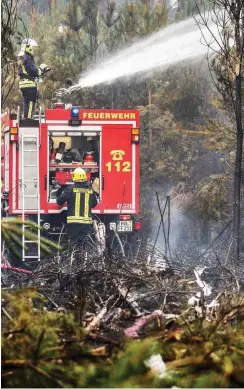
238,165
149,89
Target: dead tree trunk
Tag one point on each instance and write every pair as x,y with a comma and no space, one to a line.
149,119
228,17
238,166
238,20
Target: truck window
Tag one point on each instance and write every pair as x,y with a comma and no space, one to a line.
66,153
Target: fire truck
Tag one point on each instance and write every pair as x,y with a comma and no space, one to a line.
40,154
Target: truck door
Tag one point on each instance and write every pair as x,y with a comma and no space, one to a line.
118,170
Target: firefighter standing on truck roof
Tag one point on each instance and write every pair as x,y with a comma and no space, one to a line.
80,199
28,73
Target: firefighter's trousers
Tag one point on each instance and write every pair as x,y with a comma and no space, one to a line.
30,97
78,233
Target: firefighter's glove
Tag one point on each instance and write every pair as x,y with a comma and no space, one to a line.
44,69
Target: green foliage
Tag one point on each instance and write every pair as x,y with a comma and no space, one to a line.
187,8
12,232
139,19
212,197
221,136
10,37
172,153
49,349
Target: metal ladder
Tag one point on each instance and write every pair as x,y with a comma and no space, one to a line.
24,169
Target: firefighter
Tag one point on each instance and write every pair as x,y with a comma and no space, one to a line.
80,199
29,73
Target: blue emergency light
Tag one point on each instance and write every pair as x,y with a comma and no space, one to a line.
75,112
75,121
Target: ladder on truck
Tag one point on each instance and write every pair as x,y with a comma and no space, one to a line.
27,141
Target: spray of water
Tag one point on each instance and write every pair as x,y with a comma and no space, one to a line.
173,44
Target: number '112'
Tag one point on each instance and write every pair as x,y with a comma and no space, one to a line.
119,166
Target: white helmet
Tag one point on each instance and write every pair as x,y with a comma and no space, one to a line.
26,46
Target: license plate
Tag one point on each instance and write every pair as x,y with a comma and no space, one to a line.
125,226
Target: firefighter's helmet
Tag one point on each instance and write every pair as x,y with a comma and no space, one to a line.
26,47
79,175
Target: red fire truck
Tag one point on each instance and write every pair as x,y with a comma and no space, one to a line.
40,155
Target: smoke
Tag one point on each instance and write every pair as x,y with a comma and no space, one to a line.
177,225
173,44
181,228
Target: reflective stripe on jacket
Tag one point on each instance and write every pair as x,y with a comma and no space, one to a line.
25,83
27,71
80,199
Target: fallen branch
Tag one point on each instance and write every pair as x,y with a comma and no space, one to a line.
132,332
96,320
126,295
120,243
7,315
15,269
18,363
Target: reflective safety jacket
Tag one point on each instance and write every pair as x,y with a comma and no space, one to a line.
27,71
80,199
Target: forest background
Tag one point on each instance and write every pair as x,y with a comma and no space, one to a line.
188,152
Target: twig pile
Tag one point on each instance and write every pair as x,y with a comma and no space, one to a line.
114,290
